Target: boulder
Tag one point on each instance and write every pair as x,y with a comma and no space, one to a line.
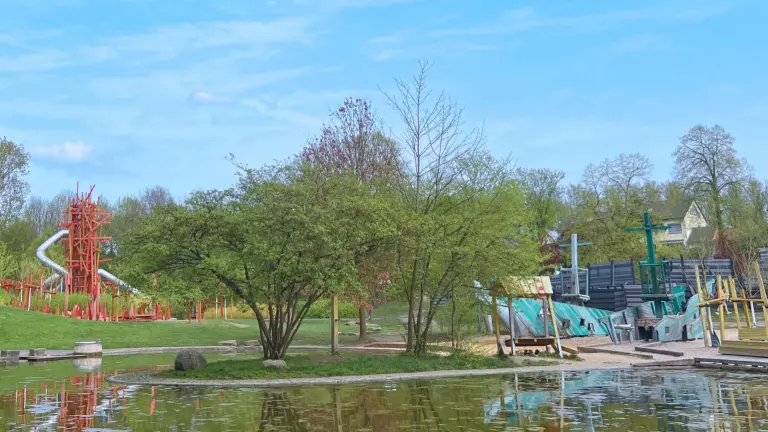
189,360
274,364
252,343
228,343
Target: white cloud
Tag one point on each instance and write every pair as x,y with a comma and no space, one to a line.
68,152
525,19
205,97
385,55
635,44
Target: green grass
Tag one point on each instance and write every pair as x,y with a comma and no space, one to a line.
323,365
22,330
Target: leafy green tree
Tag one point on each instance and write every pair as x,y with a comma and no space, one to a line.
18,236
282,238
706,163
14,165
543,191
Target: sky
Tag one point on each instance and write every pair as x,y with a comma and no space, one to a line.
129,94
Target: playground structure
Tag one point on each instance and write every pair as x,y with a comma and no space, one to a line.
538,290
664,315
574,295
82,240
752,339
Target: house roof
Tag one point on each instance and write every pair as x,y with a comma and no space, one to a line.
667,210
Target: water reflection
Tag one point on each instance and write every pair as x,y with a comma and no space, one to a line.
78,398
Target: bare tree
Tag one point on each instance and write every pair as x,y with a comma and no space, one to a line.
14,165
706,164
619,174
434,141
462,213
46,213
354,143
153,197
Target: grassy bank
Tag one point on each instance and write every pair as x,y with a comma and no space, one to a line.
22,330
320,365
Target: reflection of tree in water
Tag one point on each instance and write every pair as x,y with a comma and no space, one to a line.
279,413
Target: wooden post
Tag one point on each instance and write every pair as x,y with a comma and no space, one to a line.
334,325
545,312
554,325
747,307
721,306
702,310
511,327
732,289
763,297
497,325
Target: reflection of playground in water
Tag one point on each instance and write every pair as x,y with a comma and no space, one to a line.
637,400
680,400
75,403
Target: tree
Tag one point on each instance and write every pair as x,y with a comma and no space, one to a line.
461,210
280,239
354,144
707,165
14,165
542,190
46,213
611,196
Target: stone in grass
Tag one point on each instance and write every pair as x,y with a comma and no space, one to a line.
274,364
189,360
228,343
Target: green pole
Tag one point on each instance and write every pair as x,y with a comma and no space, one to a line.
651,253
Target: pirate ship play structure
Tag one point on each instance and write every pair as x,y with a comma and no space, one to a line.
527,310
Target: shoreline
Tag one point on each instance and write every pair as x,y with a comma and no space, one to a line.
150,378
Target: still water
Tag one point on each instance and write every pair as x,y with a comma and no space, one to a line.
77,397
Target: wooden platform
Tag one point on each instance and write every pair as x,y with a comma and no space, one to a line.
757,333
751,348
732,362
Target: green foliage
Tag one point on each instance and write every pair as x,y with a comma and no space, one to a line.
322,309
14,165
319,365
284,237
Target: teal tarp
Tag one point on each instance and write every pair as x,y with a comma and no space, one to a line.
572,320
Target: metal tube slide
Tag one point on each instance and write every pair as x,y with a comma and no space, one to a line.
119,282
44,258
61,271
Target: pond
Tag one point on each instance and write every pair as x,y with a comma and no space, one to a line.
67,396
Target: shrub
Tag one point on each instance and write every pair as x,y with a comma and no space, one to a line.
322,309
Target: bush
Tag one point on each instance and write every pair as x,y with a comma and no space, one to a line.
322,309
4,298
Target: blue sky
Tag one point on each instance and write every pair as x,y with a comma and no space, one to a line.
128,94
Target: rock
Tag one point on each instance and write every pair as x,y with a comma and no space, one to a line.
274,364
252,343
37,352
189,360
228,343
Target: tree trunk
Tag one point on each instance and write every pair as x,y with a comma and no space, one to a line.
410,333
363,328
